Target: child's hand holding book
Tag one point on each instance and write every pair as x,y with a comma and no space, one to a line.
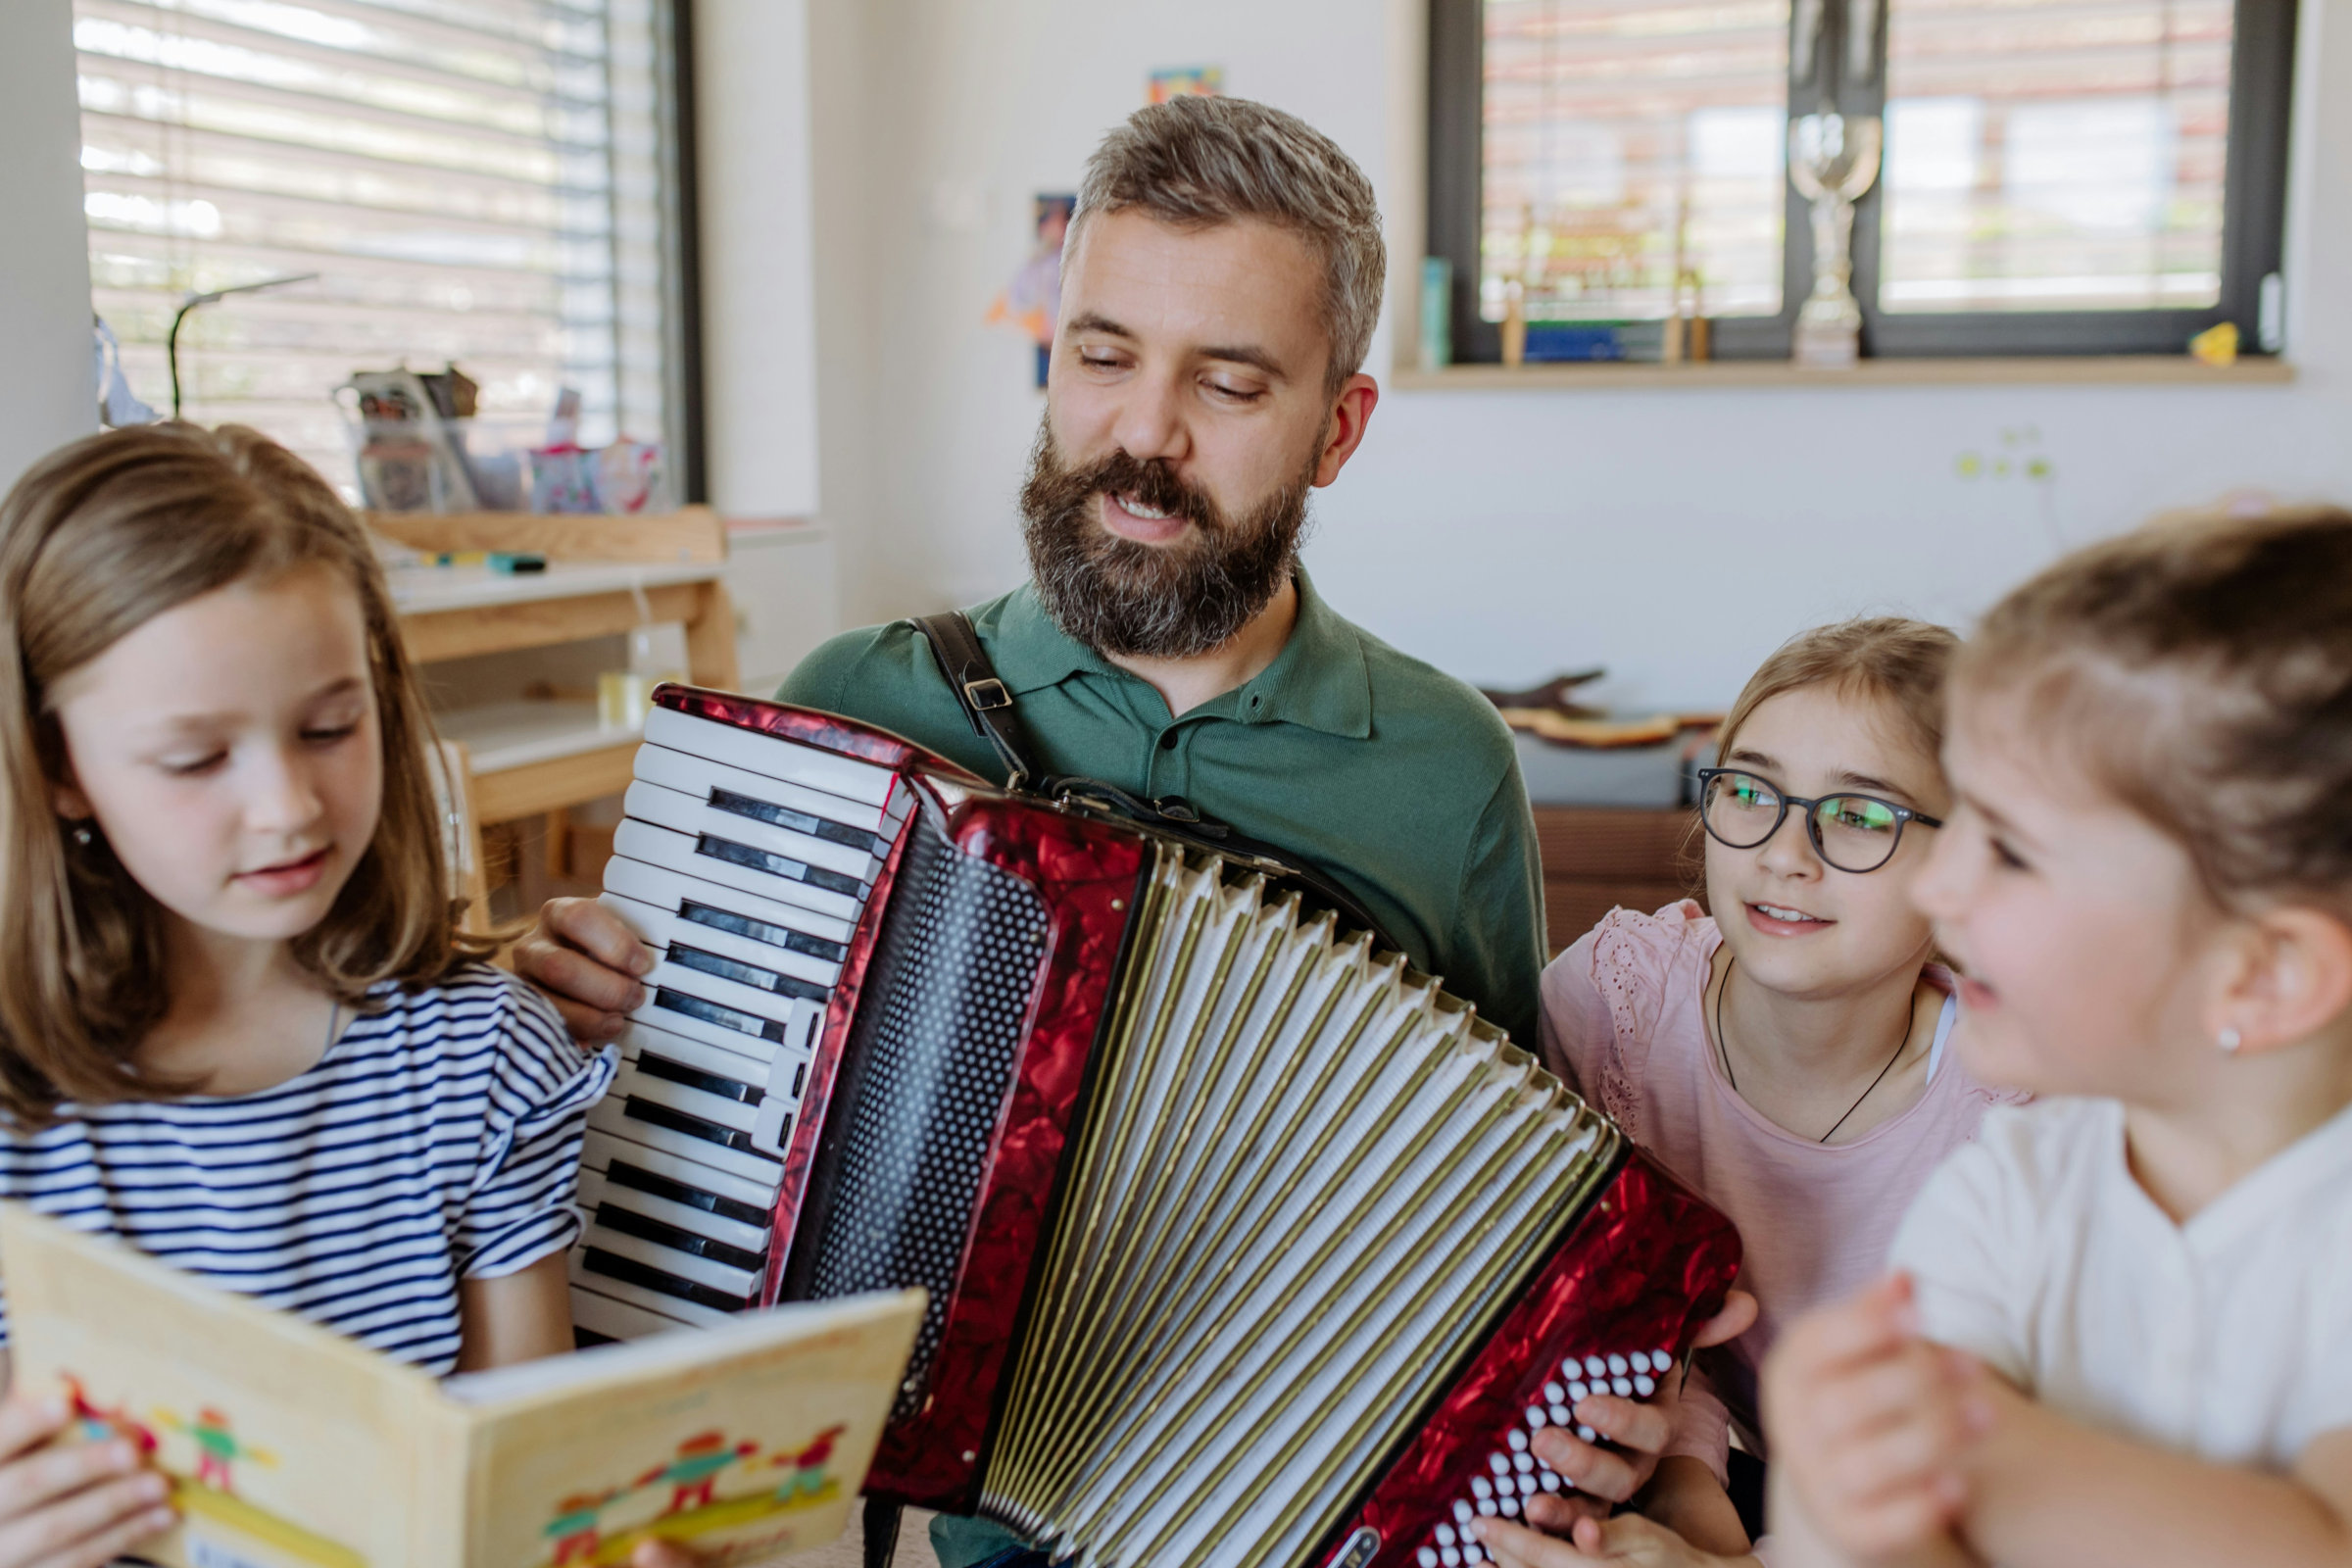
80,1505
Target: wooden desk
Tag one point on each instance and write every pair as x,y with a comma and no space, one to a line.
1596,857
529,758
539,758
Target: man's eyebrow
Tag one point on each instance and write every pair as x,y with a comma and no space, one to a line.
1256,357
1232,353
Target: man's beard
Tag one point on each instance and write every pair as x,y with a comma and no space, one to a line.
1145,600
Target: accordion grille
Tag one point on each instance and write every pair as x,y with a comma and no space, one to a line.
958,963
1307,1184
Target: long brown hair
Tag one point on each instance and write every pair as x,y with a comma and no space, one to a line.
98,538
2200,670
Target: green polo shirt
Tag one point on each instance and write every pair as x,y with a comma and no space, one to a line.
1396,781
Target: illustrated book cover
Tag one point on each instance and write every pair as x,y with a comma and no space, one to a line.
290,1446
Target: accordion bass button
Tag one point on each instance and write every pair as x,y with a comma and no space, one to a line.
1427,1557
1463,1513
1619,1366
1482,1489
1595,1367
1645,1386
1561,1415
1535,1416
1444,1535
1517,1440
1623,1387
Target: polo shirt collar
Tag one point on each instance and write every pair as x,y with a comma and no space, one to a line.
1320,680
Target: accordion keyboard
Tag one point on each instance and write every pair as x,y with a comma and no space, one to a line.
1515,1473
743,862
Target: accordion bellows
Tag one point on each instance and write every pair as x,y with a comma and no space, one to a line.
1247,1243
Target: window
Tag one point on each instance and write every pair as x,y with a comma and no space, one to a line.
485,181
2058,175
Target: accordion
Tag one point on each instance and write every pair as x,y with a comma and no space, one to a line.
1245,1243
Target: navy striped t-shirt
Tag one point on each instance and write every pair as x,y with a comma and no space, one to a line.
437,1139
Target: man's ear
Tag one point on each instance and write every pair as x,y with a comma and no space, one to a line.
1351,412
2292,977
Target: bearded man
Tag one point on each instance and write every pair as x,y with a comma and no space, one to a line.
1220,285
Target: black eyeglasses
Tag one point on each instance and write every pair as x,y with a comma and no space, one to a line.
1854,833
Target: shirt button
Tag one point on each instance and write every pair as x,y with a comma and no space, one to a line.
1167,740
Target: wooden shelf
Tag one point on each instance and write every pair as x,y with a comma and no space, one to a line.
462,618
2138,370
532,756
690,534
603,575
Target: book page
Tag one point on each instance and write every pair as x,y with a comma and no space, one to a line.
747,1441
287,1446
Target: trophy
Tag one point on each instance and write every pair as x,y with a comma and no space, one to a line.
1831,161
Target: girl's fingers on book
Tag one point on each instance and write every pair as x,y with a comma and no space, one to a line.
31,1483
88,1529
27,1422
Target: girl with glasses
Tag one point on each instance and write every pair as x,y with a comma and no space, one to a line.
1790,1055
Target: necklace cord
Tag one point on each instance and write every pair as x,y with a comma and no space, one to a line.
1723,1049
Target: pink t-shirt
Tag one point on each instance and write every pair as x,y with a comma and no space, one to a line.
1623,1022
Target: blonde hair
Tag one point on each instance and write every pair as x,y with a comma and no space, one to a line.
98,538
1898,661
2200,670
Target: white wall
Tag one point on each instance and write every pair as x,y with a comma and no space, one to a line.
750,66
1674,534
46,395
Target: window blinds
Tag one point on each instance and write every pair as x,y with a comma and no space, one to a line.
1630,141
2055,154
473,181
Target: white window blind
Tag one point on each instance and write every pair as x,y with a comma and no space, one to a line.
2055,154
473,181
1625,141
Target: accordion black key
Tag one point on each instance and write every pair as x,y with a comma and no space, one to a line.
1245,1242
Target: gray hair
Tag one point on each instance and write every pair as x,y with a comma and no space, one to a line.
1197,162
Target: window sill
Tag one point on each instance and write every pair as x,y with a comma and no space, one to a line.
2122,369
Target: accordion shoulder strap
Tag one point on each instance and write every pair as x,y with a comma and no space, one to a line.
988,704
985,701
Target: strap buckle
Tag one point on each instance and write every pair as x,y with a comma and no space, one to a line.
987,694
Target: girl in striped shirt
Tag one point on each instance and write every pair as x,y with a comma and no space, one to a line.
238,1027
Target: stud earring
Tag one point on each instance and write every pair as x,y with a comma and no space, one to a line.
81,834
2228,1040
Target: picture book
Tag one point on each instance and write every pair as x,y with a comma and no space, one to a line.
290,1446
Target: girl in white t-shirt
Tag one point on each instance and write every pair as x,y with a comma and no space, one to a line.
2121,1326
